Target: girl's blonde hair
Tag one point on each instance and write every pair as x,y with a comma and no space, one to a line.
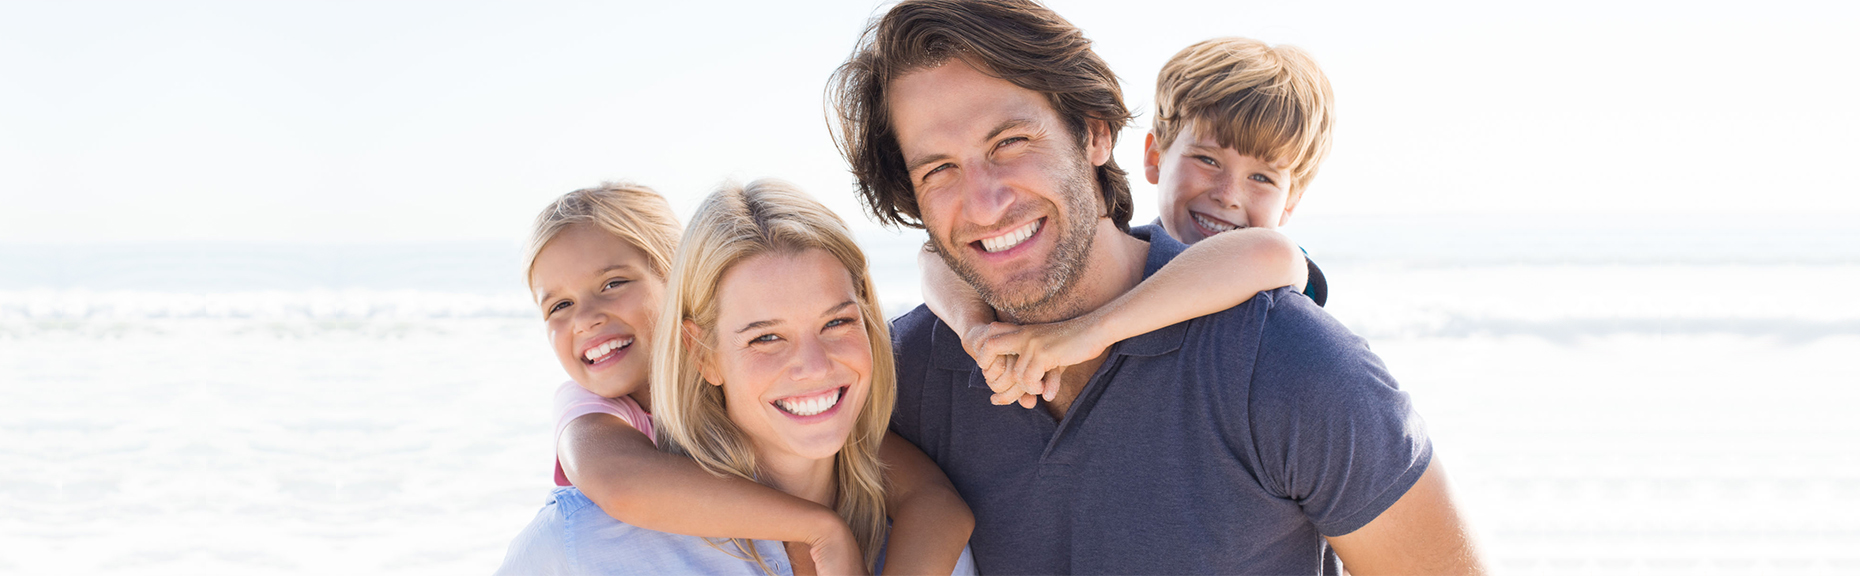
629,211
734,224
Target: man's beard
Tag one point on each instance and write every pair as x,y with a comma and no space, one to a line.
1053,299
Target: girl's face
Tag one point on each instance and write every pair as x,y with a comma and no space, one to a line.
599,298
791,353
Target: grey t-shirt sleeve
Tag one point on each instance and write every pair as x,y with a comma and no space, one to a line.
1332,431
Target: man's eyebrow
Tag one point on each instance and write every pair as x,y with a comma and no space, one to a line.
1004,126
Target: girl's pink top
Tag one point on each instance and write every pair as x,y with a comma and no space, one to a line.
572,401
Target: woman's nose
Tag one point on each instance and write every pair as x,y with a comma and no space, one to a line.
810,360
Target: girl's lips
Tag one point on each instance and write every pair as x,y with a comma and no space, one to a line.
813,407
606,352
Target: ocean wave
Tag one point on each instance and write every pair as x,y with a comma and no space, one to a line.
354,304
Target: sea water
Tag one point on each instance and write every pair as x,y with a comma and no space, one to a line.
1608,399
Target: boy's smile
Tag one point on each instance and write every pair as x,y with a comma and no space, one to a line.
1206,188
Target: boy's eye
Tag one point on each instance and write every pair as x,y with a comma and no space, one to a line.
1209,160
1262,178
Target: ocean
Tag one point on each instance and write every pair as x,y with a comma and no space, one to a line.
1614,397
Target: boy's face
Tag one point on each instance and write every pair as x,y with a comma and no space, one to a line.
1206,189
598,297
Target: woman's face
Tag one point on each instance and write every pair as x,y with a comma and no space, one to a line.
791,353
598,297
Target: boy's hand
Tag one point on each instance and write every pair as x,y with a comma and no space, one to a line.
1021,362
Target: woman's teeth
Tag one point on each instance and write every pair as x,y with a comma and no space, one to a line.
599,353
810,405
1012,238
1210,224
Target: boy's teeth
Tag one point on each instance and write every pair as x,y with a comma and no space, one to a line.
1212,225
1010,239
810,406
598,352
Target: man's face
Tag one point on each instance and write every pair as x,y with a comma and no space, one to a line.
1006,191
1206,188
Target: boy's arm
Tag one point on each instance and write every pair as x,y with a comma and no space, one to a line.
929,522
1213,275
618,469
958,305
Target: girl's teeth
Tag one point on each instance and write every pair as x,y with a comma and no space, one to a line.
596,353
1010,239
810,406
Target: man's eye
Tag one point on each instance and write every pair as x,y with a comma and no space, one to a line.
1015,140
935,170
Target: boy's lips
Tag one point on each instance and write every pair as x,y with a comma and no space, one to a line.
1210,225
811,406
606,350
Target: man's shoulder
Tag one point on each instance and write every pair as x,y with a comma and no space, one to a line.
912,332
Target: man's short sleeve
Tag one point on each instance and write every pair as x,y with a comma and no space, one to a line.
1332,430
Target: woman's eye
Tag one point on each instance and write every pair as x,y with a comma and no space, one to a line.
614,283
838,322
764,339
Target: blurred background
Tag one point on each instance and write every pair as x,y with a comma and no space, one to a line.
260,309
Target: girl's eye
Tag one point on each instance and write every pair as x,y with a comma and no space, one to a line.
557,306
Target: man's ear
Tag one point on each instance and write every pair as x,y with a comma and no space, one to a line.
1152,158
701,354
1291,203
1097,142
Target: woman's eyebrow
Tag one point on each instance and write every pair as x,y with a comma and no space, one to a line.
758,324
837,308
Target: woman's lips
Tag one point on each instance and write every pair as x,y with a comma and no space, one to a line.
811,406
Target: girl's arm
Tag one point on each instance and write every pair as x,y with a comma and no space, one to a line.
929,522
1213,275
618,469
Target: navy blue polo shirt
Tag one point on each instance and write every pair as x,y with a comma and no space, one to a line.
1229,444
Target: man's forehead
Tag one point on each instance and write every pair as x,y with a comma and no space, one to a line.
957,100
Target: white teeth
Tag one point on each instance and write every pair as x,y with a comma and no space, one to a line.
1011,239
810,406
1212,225
598,353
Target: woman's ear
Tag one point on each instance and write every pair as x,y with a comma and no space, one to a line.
701,353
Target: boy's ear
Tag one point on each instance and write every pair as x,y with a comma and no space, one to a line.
1291,203
1152,158
1098,142
700,354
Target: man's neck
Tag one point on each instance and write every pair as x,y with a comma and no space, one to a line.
1113,267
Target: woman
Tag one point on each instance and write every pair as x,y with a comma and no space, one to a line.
770,362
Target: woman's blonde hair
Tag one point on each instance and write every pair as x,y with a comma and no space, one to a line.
734,224
1268,102
629,211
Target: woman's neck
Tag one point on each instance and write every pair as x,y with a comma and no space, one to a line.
804,478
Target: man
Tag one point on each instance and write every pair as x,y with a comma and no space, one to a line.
1261,439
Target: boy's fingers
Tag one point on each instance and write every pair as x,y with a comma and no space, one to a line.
1051,383
1027,401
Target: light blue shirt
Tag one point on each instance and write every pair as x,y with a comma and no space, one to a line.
573,536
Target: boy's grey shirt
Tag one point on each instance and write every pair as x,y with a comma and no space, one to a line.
1230,444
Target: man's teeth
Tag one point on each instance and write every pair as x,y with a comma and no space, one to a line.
1012,238
1211,224
598,353
811,405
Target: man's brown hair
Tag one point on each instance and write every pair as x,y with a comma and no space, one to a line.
1269,102
1019,41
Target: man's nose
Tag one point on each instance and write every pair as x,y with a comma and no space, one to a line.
985,196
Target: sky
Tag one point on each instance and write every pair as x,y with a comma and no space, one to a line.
359,122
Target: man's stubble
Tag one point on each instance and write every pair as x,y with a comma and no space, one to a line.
1055,297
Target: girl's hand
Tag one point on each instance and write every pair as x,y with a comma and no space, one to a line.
1021,362
835,553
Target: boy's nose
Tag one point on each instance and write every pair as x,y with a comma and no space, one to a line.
1226,194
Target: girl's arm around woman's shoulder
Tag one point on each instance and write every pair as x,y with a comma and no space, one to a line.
930,524
620,470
